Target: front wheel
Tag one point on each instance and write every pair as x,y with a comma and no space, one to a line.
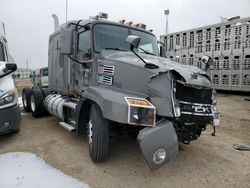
98,135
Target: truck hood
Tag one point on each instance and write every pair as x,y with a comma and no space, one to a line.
191,74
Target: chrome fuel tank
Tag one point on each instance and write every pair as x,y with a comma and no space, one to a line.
54,105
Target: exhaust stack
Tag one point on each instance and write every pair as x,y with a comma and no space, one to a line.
56,21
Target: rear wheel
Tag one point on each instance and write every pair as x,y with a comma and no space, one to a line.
98,135
26,94
37,103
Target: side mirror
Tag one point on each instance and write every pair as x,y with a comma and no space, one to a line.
66,41
207,61
162,51
9,68
134,41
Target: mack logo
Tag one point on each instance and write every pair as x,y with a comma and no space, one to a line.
201,109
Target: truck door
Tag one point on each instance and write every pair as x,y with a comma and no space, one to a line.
81,71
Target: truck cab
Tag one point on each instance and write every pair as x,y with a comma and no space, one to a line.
9,109
104,74
40,77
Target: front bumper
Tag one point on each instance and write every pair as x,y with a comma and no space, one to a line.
10,119
160,137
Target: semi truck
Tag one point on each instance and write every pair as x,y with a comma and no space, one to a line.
10,114
107,76
40,77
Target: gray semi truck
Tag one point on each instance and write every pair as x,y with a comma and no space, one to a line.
106,76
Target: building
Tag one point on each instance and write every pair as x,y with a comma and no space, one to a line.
23,73
228,43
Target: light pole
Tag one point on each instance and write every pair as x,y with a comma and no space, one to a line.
66,10
166,12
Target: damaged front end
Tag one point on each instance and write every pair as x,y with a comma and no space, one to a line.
183,110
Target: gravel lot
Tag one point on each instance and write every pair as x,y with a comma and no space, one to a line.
207,162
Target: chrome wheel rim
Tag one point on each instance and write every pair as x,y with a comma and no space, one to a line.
32,103
90,133
25,101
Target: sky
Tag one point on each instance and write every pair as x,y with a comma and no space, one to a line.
29,23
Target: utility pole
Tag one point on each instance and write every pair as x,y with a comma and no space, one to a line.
66,10
166,13
27,64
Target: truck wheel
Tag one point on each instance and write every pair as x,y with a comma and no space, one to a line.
98,135
36,103
26,93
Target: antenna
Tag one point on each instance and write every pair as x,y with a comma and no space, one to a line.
166,13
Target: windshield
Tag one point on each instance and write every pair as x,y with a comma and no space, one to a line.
1,52
114,37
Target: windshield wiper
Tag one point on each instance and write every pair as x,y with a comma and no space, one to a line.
118,49
146,52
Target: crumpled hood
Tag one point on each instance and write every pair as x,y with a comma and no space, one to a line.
191,74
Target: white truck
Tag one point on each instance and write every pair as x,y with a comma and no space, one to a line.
40,77
10,114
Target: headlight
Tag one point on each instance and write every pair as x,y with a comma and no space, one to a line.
140,112
8,99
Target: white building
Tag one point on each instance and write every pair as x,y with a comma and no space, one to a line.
228,43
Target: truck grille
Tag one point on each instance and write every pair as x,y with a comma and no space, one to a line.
194,103
192,94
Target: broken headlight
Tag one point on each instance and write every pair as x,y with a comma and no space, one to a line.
140,112
8,99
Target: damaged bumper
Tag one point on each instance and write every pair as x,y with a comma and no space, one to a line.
158,144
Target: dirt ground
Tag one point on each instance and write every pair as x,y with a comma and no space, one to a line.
207,162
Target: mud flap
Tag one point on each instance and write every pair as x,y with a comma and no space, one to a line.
159,138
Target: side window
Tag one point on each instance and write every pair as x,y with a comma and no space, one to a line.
84,45
1,52
45,72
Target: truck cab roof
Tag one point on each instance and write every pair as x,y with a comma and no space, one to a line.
85,22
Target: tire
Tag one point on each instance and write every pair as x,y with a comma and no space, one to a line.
98,135
37,103
26,94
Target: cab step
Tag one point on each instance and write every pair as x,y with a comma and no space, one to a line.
68,127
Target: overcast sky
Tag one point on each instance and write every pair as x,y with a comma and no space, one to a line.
29,23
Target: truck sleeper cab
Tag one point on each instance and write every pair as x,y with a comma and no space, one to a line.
104,74
10,114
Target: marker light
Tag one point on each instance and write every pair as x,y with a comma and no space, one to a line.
103,15
122,21
138,102
129,23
